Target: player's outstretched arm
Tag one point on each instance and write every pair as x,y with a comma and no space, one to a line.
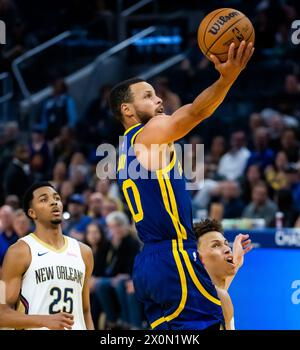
241,246
166,129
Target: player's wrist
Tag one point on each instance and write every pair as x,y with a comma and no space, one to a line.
226,81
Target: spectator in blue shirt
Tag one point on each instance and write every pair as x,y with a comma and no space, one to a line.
7,234
59,110
76,225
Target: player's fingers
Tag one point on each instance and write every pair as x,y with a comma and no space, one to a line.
240,51
67,315
246,250
67,326
68,321
231,52
248,54
245,243
215,60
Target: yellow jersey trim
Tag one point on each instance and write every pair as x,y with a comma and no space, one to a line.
132,127
48,246
167,168
174,206
194,278
135,135
166,202
183,289
168,196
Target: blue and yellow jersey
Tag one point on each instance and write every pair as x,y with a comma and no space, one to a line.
158,200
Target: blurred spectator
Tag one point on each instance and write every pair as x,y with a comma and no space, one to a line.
66,190
262,155
109,205
276,127
212,158
229,198
78,177
125,248
101,247
252,178
171,100
255,121
285,203
261,206
40,157
21,223
293,182
290,96
290,145
59,110
95,206
8,142
275,175
95,128
232,163
76,225
64,145
7,234
13,201
59,175
109,189
17,177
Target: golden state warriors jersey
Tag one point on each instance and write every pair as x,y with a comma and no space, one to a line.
54,280
158,200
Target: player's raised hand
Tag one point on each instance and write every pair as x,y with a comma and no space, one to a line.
235,63
241,246
59,321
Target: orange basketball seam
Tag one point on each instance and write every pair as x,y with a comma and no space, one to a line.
205,30
223,53
224,33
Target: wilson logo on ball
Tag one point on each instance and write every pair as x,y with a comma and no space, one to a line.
221,21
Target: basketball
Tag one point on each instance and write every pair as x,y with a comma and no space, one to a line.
222,27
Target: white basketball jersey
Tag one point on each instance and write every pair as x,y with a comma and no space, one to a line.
54,280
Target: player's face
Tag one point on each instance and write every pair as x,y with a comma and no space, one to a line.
145,104
47,206
216,254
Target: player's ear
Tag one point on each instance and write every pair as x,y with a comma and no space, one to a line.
31,213
126,109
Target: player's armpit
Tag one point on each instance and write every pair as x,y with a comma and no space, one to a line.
16,262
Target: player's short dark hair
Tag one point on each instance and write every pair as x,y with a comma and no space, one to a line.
28,196
207,225
121,93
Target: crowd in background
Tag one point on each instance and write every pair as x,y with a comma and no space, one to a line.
252,160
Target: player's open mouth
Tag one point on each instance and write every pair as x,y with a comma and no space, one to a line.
160,110
55,211
230,260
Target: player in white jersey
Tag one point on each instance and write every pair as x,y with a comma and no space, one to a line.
47,272
220,262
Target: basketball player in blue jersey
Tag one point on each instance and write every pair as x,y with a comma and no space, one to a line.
169,278
220,261
46,272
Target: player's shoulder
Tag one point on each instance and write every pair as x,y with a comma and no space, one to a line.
20,252
20,248
85,250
